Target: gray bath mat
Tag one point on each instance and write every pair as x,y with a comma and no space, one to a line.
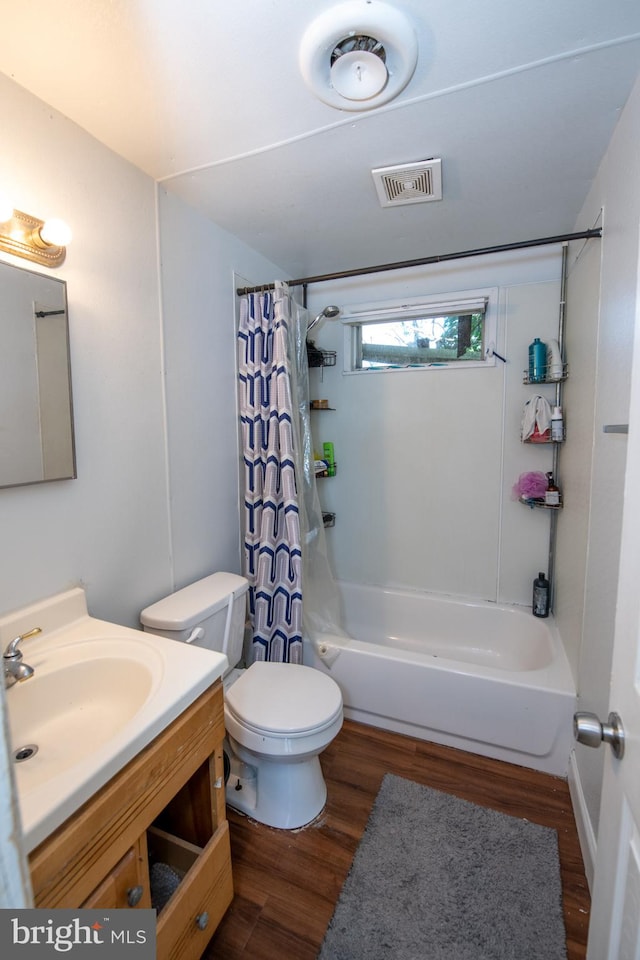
438,878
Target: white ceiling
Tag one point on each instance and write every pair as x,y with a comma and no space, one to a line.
519,100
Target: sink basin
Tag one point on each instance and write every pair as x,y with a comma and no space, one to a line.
100,693
70,710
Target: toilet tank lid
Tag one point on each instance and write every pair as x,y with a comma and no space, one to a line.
184,608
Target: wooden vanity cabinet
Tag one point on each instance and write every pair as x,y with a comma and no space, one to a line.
127,885
169,801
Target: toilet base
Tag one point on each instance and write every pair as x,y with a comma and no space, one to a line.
285,794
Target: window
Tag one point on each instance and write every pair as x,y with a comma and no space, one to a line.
421,334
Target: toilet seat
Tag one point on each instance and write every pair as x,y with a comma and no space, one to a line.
283,701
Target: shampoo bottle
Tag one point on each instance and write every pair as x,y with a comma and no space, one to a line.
557,425
540,596
537,361
329,456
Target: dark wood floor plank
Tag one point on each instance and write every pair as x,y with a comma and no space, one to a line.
288,881
269,941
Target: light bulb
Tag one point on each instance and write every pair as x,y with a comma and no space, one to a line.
56,233
359,75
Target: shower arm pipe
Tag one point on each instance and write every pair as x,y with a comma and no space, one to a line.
425,261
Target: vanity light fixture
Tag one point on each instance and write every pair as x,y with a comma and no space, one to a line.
6,209
25,236
358,55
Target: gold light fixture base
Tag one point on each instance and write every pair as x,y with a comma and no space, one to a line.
21,236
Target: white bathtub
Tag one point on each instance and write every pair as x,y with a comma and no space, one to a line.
493,680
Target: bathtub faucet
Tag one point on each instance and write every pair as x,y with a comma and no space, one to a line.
14,668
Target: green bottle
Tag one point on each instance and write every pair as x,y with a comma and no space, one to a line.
329,456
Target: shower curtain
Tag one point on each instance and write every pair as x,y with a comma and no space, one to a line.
284,545
272,546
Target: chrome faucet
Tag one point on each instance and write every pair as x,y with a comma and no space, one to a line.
14,669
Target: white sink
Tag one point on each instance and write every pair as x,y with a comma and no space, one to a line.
100,693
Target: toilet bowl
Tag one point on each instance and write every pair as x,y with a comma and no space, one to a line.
278,716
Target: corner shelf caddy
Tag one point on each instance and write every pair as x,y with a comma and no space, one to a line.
540,504
328,516
557,383
544,443
536,383
536,504
320,358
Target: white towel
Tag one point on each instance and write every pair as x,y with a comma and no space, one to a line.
537,413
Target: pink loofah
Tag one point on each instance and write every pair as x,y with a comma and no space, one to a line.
530,486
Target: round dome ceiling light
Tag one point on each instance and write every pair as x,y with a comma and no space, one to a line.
358,69
358,55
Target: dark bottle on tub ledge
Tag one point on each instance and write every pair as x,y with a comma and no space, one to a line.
540,607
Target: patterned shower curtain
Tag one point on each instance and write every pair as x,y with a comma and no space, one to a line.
272,542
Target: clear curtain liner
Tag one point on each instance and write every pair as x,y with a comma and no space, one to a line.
321,614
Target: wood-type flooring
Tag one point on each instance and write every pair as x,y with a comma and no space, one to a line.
287,882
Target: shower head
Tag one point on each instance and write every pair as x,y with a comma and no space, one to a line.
329,313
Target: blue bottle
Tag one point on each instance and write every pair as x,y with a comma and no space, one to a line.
537,361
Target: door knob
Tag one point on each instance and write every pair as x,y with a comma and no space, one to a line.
588,729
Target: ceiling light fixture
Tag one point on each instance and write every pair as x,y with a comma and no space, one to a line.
358,55
25,236
358,68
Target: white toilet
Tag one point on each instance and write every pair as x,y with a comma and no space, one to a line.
278,716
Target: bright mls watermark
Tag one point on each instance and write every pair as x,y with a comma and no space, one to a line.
78,934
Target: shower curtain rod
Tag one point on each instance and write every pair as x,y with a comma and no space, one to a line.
423,261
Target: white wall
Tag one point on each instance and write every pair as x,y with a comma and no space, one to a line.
427,459
155,502
199,300
109,528
136,520
602,296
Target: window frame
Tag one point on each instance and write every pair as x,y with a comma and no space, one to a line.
356,316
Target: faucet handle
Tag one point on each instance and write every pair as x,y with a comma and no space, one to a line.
12,648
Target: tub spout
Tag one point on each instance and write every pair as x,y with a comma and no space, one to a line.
327,652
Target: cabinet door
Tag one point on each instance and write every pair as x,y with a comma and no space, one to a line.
190,918
128,883
70,864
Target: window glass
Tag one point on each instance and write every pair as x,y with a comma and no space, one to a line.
421,341
433,332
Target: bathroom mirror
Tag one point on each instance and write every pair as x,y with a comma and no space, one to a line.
36,414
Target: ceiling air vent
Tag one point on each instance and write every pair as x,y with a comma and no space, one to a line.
408,183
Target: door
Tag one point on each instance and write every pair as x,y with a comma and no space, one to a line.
614,933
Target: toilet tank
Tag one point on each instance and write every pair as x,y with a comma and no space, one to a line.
210,613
